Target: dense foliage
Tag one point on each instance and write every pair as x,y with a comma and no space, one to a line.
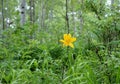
32,53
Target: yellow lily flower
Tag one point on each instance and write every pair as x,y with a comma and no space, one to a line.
68,40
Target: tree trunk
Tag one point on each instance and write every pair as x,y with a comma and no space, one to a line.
32,11
67,18
112,2
73,17
3,23
22,12
43,14
81,18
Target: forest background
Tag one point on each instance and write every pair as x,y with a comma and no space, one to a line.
30,47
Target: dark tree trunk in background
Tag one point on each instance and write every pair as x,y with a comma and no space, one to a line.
32,11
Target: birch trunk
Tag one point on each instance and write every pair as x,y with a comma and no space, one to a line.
22,12
81,18
67,18
73,17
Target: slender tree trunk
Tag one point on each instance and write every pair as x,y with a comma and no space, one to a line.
112,2
39,16
73,18
22,12
111,32
81,18
67,18
42,14
3,23
32,11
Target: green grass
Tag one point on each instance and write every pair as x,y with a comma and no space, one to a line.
45,61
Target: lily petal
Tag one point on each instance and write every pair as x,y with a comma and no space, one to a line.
71,45
69,35
68,40
62,41
65,36
73,39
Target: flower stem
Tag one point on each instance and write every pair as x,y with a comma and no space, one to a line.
69,57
